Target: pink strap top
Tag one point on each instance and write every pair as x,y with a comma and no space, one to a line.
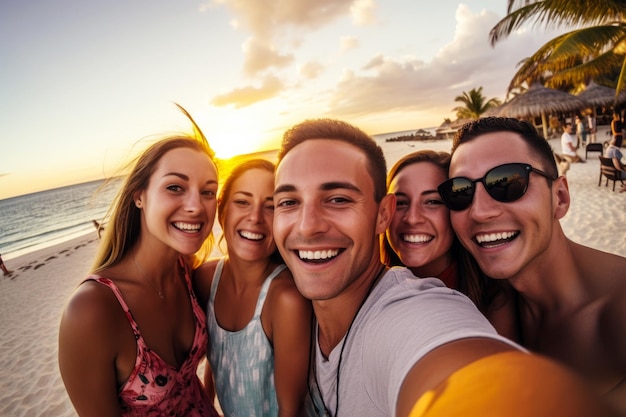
155,388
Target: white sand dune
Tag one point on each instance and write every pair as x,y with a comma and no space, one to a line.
32,299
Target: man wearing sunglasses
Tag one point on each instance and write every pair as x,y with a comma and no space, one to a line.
506,202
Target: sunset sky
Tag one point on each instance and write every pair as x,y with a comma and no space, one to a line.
84,84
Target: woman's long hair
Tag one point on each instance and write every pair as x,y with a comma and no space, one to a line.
124,225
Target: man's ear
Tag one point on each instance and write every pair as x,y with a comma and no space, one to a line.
386,210
560,197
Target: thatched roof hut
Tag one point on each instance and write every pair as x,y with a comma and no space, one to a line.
541,101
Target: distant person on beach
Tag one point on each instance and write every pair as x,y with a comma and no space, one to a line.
614,152
382,338
99,228
132,334
506,203
258,322
617,128
592,127
5,270
581,131
569,144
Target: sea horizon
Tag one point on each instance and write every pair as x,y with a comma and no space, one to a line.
41,219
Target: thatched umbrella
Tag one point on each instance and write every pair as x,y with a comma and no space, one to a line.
539,100
599,95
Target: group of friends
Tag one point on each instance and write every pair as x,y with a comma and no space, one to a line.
442,286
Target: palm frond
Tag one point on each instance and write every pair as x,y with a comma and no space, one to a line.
571,50
589,41
621,81
553,14
608,62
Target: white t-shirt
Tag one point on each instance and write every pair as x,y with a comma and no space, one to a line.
565,139
402,320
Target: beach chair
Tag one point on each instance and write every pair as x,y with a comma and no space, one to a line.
593,147
609,171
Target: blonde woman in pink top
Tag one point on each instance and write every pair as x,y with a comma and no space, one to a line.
132,334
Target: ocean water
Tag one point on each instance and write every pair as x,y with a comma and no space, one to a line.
34,221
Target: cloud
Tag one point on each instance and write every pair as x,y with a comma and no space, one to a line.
245,96
262,56
271,21
265,18
386,83
349,42
311,70
363,12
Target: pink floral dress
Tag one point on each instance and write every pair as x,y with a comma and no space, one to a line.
155,388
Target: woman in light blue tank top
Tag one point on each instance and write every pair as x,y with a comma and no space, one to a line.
258,323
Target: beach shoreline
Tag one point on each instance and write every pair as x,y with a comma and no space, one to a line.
32,299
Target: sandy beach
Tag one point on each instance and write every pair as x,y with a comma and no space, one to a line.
32,298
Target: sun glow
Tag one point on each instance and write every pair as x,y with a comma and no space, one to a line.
233,134
235,142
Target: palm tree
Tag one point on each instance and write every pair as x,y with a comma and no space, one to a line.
475,104
595,49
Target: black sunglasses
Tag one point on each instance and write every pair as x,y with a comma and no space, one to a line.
504,183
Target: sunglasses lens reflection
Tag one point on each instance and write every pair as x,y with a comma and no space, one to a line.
505,183
457,193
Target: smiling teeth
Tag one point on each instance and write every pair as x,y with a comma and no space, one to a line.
417,238
318,254
251,236
493,237
187,227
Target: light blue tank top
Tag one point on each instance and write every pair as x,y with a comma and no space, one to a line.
242,361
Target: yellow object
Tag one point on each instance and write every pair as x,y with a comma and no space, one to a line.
511,384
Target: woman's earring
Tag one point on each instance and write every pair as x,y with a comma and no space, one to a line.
138,203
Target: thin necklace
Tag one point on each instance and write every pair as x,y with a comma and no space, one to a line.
143,274
343,345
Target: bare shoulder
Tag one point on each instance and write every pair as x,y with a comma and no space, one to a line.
287,314
92,314
89,303
605,275
284,302
283,290
600,267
